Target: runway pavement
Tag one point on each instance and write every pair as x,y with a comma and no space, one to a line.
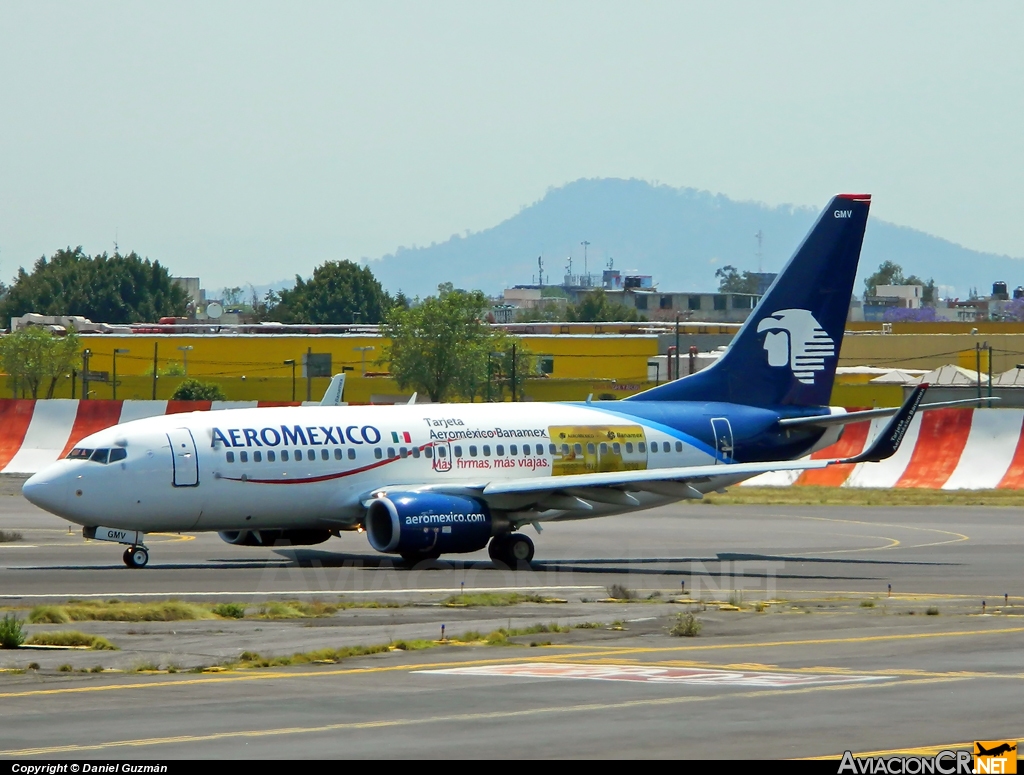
831,663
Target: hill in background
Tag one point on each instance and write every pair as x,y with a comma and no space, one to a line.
678,235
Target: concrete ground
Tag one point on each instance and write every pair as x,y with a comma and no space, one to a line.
831,663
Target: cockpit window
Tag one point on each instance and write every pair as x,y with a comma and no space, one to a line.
98,455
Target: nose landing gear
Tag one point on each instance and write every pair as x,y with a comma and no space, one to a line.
136,556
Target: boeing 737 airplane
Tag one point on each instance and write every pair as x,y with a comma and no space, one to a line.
424,480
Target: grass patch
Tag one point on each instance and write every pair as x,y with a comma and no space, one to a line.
12,635
620,592
145,667
8,536
323,656
493,599
588,626
65,669
867,603
685,626
932,611
857,496
117,611
71,638
229,610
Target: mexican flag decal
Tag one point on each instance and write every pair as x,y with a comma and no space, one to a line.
399,438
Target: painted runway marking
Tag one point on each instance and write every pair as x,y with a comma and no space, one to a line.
500,715
692,676
264,592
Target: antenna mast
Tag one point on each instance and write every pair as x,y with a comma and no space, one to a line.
759,237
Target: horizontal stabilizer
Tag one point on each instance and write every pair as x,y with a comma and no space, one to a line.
825,420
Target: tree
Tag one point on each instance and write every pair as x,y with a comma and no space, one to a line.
596,307
32,356
443,347
891,273
193,390
731,281
107,289
338,292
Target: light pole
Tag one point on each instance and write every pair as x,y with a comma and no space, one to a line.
585,272
184,357
291,362
117,351
677,345
86,354
363,351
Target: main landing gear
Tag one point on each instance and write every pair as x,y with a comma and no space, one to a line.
511,549
136,556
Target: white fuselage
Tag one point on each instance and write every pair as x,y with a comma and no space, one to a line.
295,467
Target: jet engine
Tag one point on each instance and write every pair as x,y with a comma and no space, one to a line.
272,537
428,524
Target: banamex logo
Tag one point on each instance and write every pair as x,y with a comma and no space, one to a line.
795,339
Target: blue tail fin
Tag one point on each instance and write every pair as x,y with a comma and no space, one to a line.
786,352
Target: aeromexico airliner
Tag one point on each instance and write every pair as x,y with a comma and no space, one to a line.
423,480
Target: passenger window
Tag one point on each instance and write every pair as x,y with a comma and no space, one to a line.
377,453
243,456
577,448
337,453
118,454
500,451
391,452
310,454
472,450
629,447
604,448
641,447
416,453
552,449
458,451
666,447
513,449
617,448
654,447
565,449
325,454
428,453
403,452
679,446
257,457
442,452
591,449
100,456
298,456
271,456
351,454
229,456
487,450
284,456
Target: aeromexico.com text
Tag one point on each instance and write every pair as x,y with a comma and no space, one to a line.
444,519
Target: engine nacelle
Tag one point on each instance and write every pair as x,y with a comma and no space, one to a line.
272,537
428,523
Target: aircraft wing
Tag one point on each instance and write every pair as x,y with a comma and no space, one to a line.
572,492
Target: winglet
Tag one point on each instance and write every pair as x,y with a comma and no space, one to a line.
332,397
888,441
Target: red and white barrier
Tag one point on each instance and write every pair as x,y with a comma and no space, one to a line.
34,434
951,449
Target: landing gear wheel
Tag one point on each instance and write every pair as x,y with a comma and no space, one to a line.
496,548
136,557
519,549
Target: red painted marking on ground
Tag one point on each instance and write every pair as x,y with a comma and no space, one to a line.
852,443
179,407
92,416
1013,479
940,443
15,416
653,674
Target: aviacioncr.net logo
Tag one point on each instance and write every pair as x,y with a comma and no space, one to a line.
795,339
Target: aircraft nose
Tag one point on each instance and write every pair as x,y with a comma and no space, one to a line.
47,490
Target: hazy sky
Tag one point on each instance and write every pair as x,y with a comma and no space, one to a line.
245,142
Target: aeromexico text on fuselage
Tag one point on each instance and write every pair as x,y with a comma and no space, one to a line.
320,435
